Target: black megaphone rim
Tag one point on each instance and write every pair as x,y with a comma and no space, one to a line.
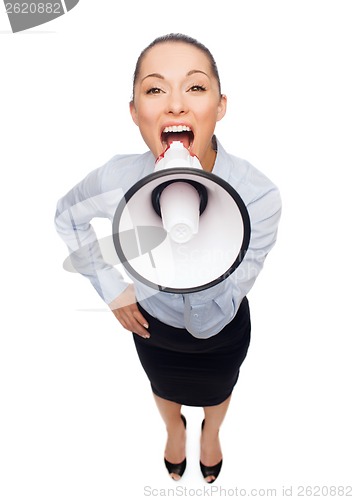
187,171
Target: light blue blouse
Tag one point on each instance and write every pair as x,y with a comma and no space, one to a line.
204,313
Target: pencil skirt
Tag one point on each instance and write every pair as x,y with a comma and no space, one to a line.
193,371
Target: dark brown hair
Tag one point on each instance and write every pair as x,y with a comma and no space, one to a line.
177,37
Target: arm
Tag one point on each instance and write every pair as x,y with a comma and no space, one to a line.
265,215
73,223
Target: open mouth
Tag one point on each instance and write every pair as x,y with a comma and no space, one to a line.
181,133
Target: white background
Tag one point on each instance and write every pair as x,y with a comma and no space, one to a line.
77,418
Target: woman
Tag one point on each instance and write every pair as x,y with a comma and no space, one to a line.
191,346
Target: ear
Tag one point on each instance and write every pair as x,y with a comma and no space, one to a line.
222,107
133,113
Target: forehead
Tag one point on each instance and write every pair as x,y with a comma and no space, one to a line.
174,57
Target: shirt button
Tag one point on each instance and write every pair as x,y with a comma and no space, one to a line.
196,315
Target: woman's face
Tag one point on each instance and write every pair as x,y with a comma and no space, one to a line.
176,88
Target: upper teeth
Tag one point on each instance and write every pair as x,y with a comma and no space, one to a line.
177,128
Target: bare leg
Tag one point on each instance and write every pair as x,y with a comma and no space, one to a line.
210,449
175,451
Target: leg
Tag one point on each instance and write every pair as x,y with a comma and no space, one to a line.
210,450
175,451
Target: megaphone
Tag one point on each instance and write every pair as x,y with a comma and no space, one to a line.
204,220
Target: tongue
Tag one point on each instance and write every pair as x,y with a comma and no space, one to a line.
178,136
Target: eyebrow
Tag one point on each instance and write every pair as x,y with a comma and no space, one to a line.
197,71
161,77
153,75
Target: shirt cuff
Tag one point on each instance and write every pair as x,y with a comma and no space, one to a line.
109,283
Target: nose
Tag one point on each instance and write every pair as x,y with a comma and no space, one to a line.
176,103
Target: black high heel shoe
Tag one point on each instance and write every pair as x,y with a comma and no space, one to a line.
181,467
213,470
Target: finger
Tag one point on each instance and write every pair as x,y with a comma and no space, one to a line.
130,323
139,330
140,318
140,325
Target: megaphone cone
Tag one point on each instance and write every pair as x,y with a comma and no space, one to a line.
207,225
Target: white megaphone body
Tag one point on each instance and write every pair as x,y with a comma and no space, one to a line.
188,229
179,201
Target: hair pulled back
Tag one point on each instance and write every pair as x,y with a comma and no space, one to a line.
177,37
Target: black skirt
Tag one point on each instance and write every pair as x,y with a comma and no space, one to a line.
192,371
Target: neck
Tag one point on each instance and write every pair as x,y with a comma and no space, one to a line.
209,159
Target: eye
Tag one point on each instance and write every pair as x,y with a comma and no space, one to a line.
197,88
154,91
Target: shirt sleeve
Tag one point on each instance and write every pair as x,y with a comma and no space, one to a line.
73,217
264,214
